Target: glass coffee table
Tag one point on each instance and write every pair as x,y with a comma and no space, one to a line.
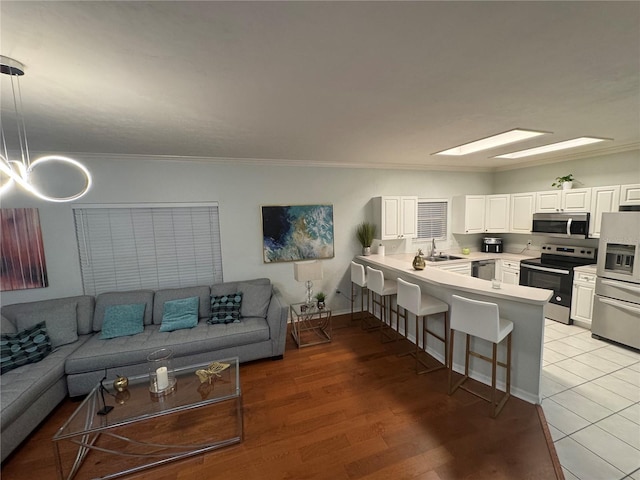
144,430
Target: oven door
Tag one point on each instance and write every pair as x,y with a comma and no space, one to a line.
558,279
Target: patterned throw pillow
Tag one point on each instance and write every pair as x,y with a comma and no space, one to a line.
28,346
226,308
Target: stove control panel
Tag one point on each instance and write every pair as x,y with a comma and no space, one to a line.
570,251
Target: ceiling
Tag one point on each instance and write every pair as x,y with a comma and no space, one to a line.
375,84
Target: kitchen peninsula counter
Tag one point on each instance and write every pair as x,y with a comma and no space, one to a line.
524,306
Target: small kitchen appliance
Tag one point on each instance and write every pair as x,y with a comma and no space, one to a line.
554,271
492,245
616,306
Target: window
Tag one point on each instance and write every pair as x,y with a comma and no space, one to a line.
432,219
148,247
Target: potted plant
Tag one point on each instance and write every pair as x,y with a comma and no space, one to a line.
320,297
565,182
365,233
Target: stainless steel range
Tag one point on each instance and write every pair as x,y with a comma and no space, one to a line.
616,307
554,271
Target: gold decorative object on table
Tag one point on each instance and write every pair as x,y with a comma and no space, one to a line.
121,383
213,370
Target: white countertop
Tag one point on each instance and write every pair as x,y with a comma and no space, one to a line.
587,269
403,263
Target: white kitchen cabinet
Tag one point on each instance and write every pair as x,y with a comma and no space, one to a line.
574,200
468,214
521,212
461,268
396,216
584,285
496,215
630,194
509,272
603,199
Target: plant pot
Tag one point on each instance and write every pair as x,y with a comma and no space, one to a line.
366,251
567,185
320,305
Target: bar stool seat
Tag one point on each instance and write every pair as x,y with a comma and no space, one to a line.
383,291
482,320
413,300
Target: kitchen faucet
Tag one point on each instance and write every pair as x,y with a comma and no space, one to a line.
433,247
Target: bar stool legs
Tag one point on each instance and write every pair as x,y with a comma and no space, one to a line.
480,319
421,352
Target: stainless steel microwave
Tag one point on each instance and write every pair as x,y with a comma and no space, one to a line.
561,225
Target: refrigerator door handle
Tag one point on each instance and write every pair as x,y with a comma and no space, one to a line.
618,304
622,285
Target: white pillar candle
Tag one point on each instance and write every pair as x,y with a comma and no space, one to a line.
163,378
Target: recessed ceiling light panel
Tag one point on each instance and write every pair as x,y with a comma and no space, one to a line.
515,135
552,147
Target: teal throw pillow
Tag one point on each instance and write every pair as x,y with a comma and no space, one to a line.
179,314
28,346
226,308
122,320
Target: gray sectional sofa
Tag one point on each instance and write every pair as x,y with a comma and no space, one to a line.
30,392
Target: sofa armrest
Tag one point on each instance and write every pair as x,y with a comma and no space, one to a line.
277,318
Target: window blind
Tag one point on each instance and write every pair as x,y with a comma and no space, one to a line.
432,219
127,248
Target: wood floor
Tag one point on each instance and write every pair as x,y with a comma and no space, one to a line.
351,409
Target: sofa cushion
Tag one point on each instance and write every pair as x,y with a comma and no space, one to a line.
27,346
62,325
24,385
123,320
226,308
255,299
97,354
6,325
85,306
164,295
180,313
105,300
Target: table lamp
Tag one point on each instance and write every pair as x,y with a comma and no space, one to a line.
306,272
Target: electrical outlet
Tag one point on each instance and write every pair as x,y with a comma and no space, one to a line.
528,243
338,292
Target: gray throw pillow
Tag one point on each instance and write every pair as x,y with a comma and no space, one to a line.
255,299
62,324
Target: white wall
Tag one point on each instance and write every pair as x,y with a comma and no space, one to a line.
240,190
614,169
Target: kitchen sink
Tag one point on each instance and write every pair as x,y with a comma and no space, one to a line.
442,258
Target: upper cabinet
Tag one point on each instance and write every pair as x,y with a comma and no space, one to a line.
496,215
630,194
574,200
603,199
396,216
468,214
522,207
480,214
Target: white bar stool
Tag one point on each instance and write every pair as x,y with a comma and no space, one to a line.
411,299
481,319
382,291
359,278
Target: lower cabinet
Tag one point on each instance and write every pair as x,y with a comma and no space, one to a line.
509,272
584,285
462,268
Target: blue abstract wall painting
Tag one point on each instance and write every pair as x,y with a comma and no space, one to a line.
297,232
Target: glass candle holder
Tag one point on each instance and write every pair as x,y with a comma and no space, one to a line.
162,379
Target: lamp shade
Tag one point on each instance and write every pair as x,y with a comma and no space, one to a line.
306,271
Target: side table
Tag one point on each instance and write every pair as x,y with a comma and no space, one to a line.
310,325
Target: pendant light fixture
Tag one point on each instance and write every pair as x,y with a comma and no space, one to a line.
20,171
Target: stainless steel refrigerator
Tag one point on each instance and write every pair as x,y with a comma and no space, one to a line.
616,309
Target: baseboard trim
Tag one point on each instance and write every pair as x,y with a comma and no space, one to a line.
550,445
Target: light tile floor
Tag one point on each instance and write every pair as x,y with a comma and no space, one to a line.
591,400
